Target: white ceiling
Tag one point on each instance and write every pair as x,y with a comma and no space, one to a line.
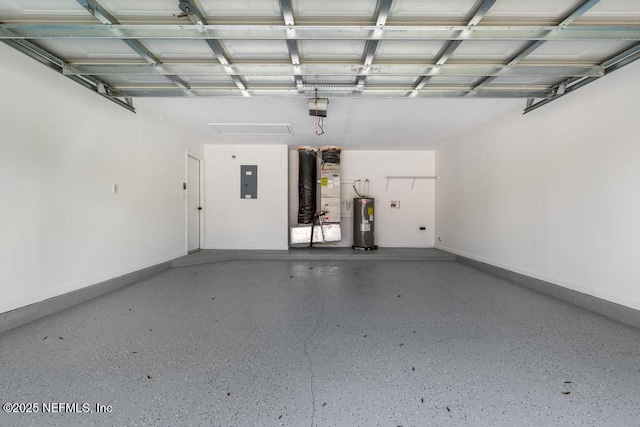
423,71
353,123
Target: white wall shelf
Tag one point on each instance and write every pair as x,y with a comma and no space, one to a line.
388,178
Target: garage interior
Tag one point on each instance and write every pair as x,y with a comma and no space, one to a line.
497,137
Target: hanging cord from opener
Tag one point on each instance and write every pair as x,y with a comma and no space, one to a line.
319,122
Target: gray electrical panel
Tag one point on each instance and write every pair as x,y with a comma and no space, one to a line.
248,181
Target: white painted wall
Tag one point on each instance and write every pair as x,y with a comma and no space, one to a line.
554,194
394,227
61,148
235,223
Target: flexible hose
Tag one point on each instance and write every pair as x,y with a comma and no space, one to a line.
331,155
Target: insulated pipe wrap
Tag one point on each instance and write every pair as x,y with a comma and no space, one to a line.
307,186
331,155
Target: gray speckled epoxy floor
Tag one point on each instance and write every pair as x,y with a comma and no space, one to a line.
325,343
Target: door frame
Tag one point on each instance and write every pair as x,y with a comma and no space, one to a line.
186,204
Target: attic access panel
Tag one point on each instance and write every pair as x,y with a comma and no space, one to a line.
252,128
282,48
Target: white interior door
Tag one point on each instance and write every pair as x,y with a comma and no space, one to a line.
193,204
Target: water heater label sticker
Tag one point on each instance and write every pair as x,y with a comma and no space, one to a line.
336,180
324,181
371,211
371,218
365,227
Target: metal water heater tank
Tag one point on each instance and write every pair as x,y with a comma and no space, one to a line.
363,223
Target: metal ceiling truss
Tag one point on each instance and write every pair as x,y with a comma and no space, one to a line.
319,32
479,11
285,71
578,11
567,86
106,18
371,46
58,65
292,45
194,12
337,77
336,91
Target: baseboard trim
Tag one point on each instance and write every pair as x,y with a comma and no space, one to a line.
23,315
620,313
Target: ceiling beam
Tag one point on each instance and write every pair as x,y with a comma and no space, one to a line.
320,32
371,46
478,12
446,51
107,18
574,14
57,64
578,11
371,92
286,70
514,60
286,10
613,64
480,9
194,12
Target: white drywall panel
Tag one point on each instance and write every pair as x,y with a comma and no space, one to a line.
394,227
552,194
232,222
62,149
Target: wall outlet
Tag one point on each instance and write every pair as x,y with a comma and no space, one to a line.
395,204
